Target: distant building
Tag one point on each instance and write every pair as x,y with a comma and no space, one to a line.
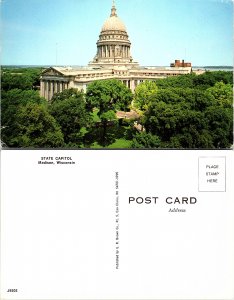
179,64
112,60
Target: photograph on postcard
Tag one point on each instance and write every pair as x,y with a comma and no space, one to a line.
87,74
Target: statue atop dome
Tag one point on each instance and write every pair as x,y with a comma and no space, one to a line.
113,10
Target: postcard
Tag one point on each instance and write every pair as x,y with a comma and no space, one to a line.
117,150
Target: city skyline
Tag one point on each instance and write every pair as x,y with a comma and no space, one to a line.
65,32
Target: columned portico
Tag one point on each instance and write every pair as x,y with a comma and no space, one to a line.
51,86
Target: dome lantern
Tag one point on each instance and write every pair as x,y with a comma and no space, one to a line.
113,10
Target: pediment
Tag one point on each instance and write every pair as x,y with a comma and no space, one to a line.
51,72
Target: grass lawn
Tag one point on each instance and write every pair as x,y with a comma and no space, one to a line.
96,146
121,135
118,144
95,116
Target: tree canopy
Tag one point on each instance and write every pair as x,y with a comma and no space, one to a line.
21,78
144,140
11,103
187,112
142,94
190,118
69,110
108,97
37,128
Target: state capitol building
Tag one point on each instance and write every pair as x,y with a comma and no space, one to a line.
113,60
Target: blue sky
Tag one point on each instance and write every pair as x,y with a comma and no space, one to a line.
160,31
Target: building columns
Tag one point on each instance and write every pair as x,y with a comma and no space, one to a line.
42,88
47,90
60,86
132,85
50,87
55,87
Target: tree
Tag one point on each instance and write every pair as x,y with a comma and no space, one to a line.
69,110
220,125
66,94
220,114
20,78
189,111
145,140
13,81
181,81
208,79
178,117
108,96
142,94
10,105
37,128
221,94
191,118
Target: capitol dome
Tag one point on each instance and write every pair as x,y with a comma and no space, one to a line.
113,45
113,23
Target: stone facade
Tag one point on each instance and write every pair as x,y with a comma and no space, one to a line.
112,60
